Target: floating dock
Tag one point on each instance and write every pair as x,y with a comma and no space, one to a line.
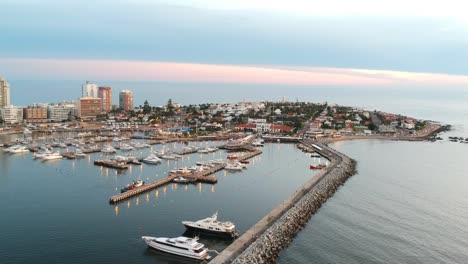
111,164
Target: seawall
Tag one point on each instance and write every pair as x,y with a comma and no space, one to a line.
264,241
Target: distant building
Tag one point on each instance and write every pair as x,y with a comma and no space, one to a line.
126,100
35,114
105,93
90,90
4,93
89,107
12,114
61,112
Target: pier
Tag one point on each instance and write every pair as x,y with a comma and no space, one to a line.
263,242
201,177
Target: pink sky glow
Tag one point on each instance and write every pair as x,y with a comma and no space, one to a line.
23,68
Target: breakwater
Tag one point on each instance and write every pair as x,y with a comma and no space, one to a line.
264,241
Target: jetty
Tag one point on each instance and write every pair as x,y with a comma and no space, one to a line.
263,242
112,164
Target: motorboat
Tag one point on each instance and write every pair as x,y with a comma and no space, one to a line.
315,155
317,167
168,157
232,156
126,147
19,149
79,153
257,143
233,167
203,151
108,149
211,226
181,179
181,246
40,155
183,171
135,184
52,156
151,159
12,148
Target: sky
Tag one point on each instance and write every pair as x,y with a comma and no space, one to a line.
294,42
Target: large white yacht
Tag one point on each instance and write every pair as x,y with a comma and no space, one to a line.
182,246
211,226
151,159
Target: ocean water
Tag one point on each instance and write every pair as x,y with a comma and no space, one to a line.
407,203
58,211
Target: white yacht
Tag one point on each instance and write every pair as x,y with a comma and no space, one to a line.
211,226
168,157
205,150
182,246
126,147
52,156
108,149
151,159
19,149
40,155
79,153
233,167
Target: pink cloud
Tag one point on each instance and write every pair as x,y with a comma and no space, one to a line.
19,68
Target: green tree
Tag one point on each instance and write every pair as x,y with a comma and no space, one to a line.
146,107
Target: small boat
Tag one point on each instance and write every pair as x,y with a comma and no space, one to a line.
203,151
181,179
315,155
233,167
135,184
168,157
318,167
181,246
52,156
108,149
232,156
151,159
20,149
244,161
183,170
211,226
126,147
79,153
40,155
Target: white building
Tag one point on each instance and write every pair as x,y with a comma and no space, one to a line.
12,114
59,113
4,93
90,90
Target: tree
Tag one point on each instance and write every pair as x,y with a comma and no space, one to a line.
372,126
146,107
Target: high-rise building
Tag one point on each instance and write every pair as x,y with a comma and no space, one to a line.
89,107
4,93
90,90
126,100
105,93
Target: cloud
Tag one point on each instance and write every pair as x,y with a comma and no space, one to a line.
177,72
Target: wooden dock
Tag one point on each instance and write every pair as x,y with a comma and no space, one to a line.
186,151
111,164
201,177
250,154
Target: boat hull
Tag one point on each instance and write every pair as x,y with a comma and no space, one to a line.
170,250
206,232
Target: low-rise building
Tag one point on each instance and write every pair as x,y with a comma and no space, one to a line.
12,114
35,114
61,112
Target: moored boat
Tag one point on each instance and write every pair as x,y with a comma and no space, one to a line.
182,246
211,226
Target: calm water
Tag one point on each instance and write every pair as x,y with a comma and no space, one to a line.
58,211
